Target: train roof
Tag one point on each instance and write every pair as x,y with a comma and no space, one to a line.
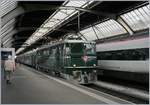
60,42
122,45
66,41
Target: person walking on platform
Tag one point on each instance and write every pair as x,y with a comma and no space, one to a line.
9,67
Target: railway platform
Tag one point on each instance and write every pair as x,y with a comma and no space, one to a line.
75,51
33,87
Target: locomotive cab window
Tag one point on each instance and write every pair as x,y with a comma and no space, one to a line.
77,47
80,48
90,48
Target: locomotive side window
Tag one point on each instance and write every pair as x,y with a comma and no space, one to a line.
53,51
38,53
131,54
57,51
61,50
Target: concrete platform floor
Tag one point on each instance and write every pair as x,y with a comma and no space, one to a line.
29,87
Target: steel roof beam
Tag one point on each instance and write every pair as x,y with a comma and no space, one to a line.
81,35
98,13
122,22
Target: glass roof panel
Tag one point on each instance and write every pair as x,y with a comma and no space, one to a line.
11,22
49,24
6,32
38,34
7,6
89,34
43,30
67,11
76,3
60,15
138,19
99,32
109,28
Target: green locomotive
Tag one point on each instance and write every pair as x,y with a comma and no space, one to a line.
71,58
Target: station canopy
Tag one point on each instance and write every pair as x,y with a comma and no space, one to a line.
26,25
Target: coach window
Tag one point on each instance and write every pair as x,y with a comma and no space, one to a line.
44,52
38,53
57,51
144,53
147,53
47,52
53,51
61,49
50,51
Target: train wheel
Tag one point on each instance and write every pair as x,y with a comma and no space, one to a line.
57,74
85,79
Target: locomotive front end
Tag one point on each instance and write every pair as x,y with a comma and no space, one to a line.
81,61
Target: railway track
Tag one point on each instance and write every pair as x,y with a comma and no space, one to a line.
112,93
117,94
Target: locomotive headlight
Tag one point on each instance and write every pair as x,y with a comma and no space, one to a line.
94,71
74,65
94,64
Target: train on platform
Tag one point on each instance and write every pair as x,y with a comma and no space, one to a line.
71,58
127,59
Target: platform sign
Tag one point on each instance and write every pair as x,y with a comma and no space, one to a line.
7,54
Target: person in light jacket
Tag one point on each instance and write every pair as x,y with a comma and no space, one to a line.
9,67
